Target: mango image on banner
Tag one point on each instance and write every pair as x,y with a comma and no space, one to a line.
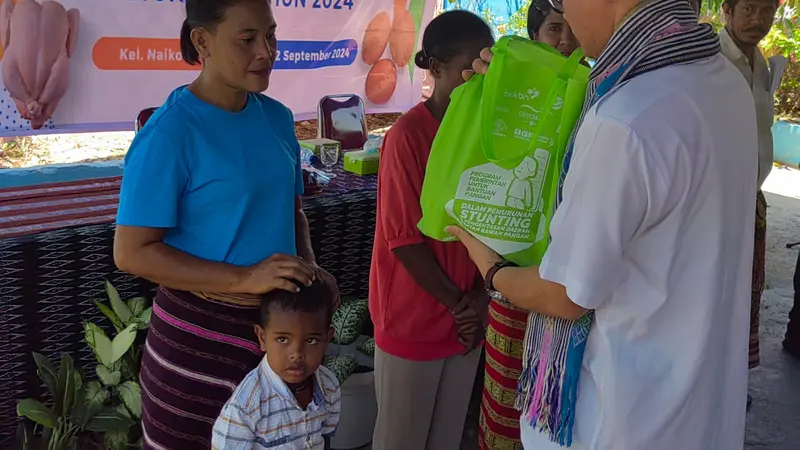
376,38
401,38
42,36
381,82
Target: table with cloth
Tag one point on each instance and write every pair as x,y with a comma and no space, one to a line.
56,248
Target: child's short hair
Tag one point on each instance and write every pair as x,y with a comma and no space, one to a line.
318,297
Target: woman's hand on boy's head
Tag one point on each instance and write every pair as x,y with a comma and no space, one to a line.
279,271
480,65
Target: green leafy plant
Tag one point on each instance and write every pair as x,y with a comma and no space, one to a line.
123,315
77,407
351,351
118,358
108,406
783,39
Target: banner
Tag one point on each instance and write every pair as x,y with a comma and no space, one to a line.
92,65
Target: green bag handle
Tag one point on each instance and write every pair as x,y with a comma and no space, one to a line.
560,153
488,103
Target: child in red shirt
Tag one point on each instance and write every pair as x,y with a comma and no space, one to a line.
426,297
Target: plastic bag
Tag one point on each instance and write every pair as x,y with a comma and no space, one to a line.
493,168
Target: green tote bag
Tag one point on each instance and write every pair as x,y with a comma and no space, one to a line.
495,162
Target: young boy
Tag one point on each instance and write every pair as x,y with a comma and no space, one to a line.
289,401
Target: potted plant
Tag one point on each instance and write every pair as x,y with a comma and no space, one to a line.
350,357
77,410
118,361
98,414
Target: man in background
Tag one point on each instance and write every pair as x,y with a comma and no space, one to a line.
747,22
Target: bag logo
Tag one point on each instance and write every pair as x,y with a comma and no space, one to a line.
500,127
504,207
527,96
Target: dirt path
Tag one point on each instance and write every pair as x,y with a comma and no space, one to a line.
774,421
97,147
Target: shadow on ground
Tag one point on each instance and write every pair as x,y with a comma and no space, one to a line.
774,421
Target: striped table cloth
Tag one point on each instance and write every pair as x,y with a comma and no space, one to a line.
44,207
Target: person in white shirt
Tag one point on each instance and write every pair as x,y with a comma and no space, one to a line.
637,335
747,22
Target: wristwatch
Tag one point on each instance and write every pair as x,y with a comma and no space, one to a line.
489,279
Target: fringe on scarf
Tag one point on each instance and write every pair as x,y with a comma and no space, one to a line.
548,390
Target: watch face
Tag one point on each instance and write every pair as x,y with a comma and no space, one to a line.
499,298
496,295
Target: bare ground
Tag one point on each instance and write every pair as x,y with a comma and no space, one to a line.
95,147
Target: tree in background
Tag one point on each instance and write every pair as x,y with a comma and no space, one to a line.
783,39
482,8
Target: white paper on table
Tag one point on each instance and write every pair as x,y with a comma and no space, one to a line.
777,65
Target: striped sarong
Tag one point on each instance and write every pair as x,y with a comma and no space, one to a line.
198,349
759,275
499,420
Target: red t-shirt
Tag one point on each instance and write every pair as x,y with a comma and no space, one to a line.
409,322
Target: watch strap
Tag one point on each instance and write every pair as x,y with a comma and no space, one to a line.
489,279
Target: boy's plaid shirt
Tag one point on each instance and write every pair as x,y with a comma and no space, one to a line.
263,413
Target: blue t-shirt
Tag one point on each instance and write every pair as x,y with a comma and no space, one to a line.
223,184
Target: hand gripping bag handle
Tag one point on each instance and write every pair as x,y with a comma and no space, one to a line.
488,103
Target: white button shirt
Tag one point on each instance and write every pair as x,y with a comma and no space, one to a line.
655,234
759,79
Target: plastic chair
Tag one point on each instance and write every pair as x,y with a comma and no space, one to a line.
142,118
342,118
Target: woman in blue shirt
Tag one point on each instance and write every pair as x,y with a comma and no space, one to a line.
210,209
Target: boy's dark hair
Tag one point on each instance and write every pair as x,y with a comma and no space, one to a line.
315,298
537,13
201,14
451,34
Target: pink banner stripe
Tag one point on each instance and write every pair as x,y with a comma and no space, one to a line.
210,335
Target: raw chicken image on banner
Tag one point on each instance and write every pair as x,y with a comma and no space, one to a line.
39,39
91,65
